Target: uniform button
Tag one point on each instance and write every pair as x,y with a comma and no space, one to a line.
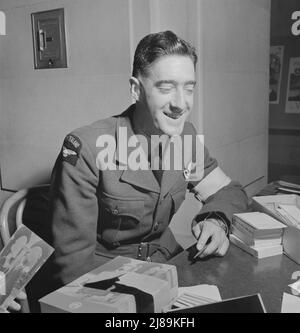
115,211
156,225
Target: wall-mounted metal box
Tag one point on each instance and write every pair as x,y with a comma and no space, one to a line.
49,40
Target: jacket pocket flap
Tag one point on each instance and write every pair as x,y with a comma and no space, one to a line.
132,207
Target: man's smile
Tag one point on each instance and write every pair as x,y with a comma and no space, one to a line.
173,114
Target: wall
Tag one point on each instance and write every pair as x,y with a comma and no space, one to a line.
284,140
236,47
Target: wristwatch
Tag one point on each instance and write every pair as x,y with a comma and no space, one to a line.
216,218
218,223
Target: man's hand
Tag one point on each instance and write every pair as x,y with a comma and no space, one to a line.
210,229
15,306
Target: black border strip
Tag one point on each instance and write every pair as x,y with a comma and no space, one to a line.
283,131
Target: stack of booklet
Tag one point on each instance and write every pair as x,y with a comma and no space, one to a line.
258,234
286,187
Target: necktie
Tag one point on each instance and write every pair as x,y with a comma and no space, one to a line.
158,173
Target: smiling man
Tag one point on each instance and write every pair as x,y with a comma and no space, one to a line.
102,206
165,93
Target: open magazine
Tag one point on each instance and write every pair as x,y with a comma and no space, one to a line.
20,259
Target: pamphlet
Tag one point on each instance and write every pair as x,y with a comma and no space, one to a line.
20,259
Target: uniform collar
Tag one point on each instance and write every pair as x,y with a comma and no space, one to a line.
141,178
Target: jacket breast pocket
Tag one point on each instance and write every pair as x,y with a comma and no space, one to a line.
119,215
178,197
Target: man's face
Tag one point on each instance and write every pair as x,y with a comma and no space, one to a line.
168,93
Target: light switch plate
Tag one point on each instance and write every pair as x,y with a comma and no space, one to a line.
49,40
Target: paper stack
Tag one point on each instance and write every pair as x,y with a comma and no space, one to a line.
287,187
284,208
258,234
196,295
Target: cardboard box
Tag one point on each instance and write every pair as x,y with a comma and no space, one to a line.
78,299
291,235
122,285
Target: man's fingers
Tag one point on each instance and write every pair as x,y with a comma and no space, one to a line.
204,236
21,296
212,239
14,306
210,249
223,248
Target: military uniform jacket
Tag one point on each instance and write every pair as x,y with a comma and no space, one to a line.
97,214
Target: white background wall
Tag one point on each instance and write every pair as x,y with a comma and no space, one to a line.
236,68
38,107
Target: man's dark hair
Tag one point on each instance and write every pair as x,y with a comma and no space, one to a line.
157,45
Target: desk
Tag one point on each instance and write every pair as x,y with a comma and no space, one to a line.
240,274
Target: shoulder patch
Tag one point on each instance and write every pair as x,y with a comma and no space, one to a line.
71,149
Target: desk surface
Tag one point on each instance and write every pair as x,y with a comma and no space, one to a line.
240,274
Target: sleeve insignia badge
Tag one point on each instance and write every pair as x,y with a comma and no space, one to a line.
71,149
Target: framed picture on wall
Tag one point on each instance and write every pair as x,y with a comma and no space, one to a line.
276,61
293,90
